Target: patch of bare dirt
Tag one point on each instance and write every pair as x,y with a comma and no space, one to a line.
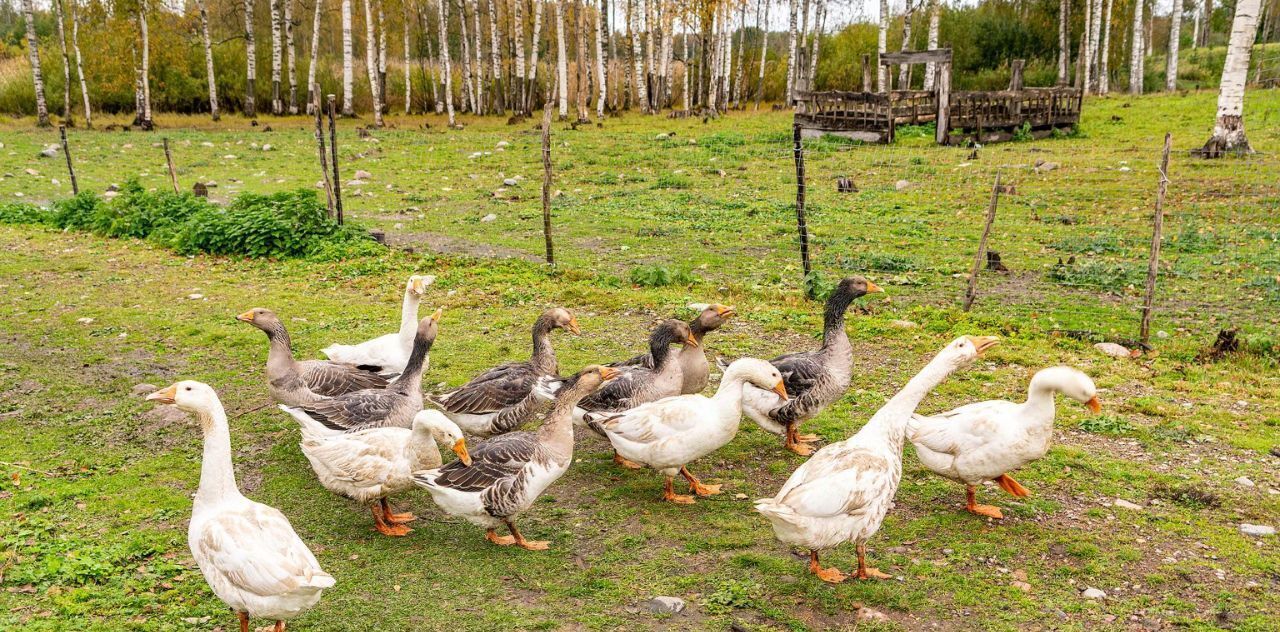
435,242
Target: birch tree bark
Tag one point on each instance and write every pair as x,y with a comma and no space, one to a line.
791,51
291,57
1195,27
1064,41
517,23
1084,60
382,56
251,63
931,69
684,53
533,55
1095,32
904,71
33,54
581,92
1228,129
740,56
408,57
1175,33
650,70
66,63
477,47
312,89
562,63
882,43
1206,23
763,27
642,92
468,91
208,58
1104,54
438,106
495,60
446,71
147,123
371,63
277,105
1136,50
602,79
84,85
348,61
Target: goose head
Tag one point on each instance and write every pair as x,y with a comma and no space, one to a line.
418,283
1071,383
561,318
588,380
190,396
712,317
672,332
966,349
262,318
758,372
428,327
444,431
853,287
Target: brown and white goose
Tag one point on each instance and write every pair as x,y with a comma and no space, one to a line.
504,397
388,353
508,472
694,368
394,405
815,379
296,383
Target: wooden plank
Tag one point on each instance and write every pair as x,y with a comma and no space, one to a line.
939,55
943,84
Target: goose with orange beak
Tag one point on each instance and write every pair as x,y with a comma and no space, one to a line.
985,441
671,433
388,353
694,368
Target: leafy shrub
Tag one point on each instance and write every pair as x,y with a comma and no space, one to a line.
285,224
23,213
658,276
1106,424
817,286
884,262
1268,285
77,212
732,594
143,214
1094,274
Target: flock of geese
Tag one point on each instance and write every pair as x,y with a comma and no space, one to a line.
369,434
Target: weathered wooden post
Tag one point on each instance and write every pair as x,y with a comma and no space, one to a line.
1015,78
168,158
546,184
981,255
866,72
333,154
1157,224
324,160
943,83
801,227
66,151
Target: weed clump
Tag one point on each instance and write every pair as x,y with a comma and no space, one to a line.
659,276
1187,496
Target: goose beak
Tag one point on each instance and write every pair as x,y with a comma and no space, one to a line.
435,316
781,389
691,341
246,317
872,288
573,326
1094,405
608,373
724,311
419,286
165,395
460,449
982,343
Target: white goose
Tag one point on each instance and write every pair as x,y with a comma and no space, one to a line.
986,440
247,551
844,490
388,353
369,465
670,433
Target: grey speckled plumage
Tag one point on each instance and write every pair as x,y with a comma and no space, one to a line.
694,368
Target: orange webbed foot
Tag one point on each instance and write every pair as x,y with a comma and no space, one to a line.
678,499
623,461
500,540
393,529
534,545
986,510
803,449
1007,483
830,575
807,438
704,490
873,573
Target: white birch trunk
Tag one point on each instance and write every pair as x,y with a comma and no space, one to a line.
33,55
791,51
684,55
147,122
371,63
1104,54
882,46
1175,32
477,72
348,62
1095,33
1228,129
84,85
495,59
931,69
408,57
650,69
291,57
1135,51
904,71
66,63
763,26
517,22
1064,41
602,82
446,71
1195,28
382,57
642,92
533,55
277,42
562,64
208,59
468,93
313,91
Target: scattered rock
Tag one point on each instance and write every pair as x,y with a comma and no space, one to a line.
1162,334
49,152
144,389
1043,166
267,147
195,297
489,218
85,320
1124,504
1021,585
1244,481
1257,530
866,614
206,144
1093,593
356,183
113,187
1112,349
1275,451
1125,169
229,157
503,143
901,185
510,182
110,194
31,172
903,324
662,136
361,174
663,605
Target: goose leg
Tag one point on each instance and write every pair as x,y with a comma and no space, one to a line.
794,444
279,625
531,545
971,504
868,572
696,485
623,461
830,575
1013,487
384,527
391,516
244,621
669,493
500,540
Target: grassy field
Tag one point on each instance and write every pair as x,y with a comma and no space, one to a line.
94,503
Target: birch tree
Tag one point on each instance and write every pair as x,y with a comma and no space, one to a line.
517,23
478,62
1228,129
208,58
495,60
931,68
642,92
147,123
1095,34
33,54
371,64
791,50
1136,50
382,55
312,89
1175,33
533,55
251,63
1064,41
277,43
291,56
84,85
1104,54
882,44
446,71
348,61
904,71
562,63
408,79
763,27
602,79
66,63
819,21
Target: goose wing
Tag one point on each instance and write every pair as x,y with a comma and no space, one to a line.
620,392
843,480
960,429
800,371
644,360
498,388
363,458
333,378
355,411
253,549
493,461
654,421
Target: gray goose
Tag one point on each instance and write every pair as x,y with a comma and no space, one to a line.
507,473
297,383
694,368
814,379
504,397
394,405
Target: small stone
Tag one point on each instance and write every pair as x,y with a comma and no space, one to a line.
31,172
1244,481
1112,349
229,157
110,194
206,144
663,605
489,218
1162,334
903,324
662,136
113,187
1124,504
902,185
49,152
1093,593
361,174
1021,585
510,182
1275,451
356,183
503,143
1257,530
1125,169
84,320
267,147
871,614
55,182
144,389
195,296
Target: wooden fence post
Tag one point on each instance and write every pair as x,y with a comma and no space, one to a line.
66,151
546,184
981,255
801,227
866,72
1157,225
1015,77
324,160
943,119
333,154
168,158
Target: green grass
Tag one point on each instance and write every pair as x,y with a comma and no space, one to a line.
96,489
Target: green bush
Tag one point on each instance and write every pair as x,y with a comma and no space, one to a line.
658,276
144,214
77,212
23,213
285,224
